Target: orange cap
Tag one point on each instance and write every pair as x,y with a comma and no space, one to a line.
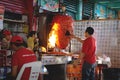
16,39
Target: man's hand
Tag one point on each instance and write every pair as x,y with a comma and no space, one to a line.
79,39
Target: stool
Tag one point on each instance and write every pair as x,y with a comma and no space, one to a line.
99,70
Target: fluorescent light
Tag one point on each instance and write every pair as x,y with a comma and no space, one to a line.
104,1
116,7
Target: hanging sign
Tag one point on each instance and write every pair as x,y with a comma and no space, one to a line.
50,5
34,2
2,9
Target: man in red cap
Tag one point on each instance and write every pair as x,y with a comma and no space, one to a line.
21,56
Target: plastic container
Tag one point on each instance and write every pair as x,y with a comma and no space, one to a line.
3,71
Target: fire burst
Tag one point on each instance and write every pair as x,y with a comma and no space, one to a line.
53,36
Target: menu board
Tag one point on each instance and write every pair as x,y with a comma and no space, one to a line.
50,5
100,11
111,14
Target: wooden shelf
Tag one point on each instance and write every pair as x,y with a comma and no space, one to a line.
16,21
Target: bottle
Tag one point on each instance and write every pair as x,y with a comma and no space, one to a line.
1,73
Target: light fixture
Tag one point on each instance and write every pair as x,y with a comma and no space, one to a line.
115,7
102,2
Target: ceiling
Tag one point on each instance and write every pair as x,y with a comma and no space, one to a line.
113,4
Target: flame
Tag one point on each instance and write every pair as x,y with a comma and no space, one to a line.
53,36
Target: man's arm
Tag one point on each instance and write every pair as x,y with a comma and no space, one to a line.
14,71
79,39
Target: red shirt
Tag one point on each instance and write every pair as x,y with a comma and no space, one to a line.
21,57
88,48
